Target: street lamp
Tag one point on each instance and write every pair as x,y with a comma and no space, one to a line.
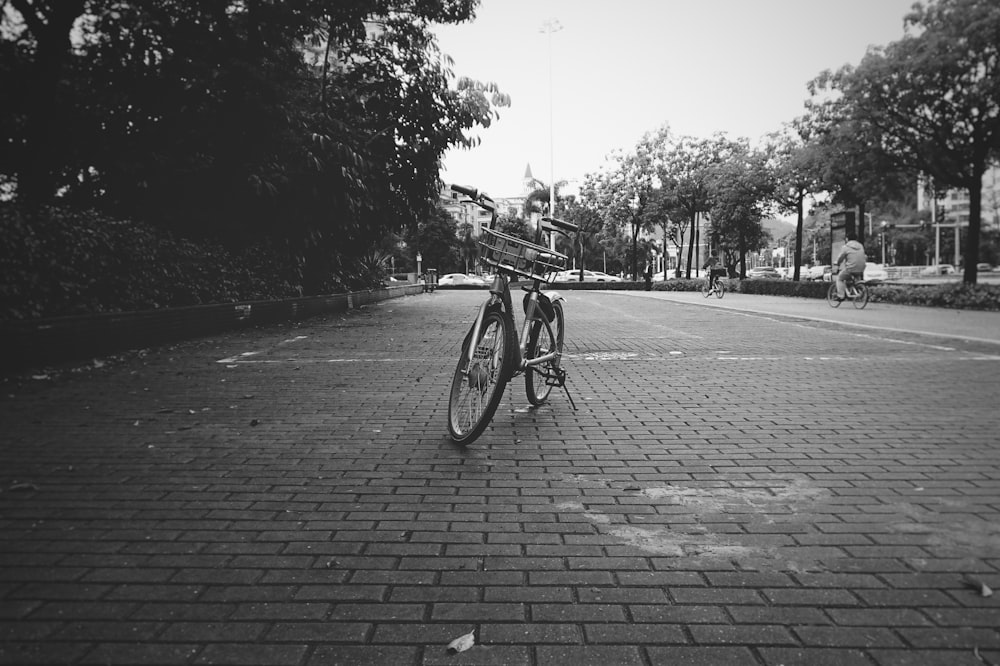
550,26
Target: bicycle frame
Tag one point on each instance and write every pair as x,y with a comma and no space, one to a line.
493,352
500,294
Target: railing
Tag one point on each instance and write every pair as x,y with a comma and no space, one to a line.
896,272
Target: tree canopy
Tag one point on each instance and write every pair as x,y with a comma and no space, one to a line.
930,102
317,123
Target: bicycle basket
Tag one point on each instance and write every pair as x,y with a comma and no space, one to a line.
508,253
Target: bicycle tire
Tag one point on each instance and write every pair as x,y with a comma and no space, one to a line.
540,342
706,289
861,300
831,296
475,394
720,289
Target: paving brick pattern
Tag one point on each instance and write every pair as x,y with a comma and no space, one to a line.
724,494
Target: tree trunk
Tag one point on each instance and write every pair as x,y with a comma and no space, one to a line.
635,249
43,112
975,187
861,222
694,234
798,236
743,250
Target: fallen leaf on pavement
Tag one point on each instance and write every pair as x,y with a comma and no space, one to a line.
979,586
463,643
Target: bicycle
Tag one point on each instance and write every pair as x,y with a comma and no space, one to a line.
491,353
857,291
713,285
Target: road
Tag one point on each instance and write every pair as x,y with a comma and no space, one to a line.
737,485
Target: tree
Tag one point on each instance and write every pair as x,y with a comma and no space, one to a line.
622,193
795,166
241,120
664,211
930,102
436,239
741,190
584,215
36,90
468,246
684,172
515,226
537,201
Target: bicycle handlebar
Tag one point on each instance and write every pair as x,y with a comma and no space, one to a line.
478,198
562,225
470,192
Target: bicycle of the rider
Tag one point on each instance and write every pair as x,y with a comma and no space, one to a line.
713,284
856,292
492,353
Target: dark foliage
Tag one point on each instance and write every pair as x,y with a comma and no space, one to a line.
313,126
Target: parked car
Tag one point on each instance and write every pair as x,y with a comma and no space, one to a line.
984,268
461,280
941,269
588,276
875,273
763,272
815,272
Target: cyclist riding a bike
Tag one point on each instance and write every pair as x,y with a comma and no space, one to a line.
853,258
713,266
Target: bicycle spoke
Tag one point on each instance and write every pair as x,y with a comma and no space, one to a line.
476,390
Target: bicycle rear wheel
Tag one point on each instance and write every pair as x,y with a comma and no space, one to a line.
720,288
831,296
541,340
476,390
861,300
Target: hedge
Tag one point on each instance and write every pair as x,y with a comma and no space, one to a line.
955,295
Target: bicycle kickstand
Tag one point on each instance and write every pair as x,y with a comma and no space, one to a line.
561,383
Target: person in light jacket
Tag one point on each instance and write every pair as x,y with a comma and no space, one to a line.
853,258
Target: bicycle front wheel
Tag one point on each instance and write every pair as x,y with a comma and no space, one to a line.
542,340
861,300
831,296
720,289
706,288
478,386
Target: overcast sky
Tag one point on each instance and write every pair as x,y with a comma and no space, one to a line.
621,68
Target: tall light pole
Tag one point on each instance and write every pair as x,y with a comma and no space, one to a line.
548,27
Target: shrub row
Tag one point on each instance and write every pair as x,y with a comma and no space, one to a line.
955,295
60,262
950,295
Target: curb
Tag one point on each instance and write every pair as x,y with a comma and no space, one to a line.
64,339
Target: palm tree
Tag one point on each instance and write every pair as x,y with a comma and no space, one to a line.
537,200
468,246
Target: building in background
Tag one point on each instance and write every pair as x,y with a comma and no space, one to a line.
953,205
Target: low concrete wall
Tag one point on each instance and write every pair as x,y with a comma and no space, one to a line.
39,342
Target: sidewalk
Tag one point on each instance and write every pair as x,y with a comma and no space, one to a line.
723,493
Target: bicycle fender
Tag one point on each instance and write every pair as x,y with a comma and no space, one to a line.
545,301
554,296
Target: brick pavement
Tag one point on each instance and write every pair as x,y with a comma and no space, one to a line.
289,496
